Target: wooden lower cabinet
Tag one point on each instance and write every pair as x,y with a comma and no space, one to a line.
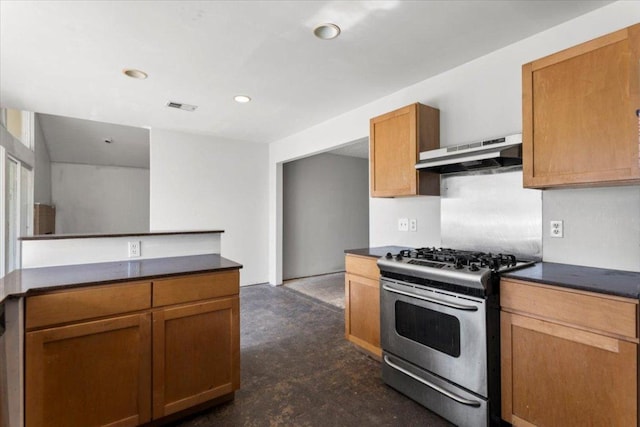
88,374
196,351
362,303
559,372
178,349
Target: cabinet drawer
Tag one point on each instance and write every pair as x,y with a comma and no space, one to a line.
611,315
195,287
88,303
362,266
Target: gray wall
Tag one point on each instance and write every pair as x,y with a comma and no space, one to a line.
325,211
100,199
601,226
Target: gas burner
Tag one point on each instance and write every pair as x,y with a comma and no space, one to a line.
460,259
469,272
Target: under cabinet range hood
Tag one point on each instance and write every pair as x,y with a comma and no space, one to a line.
494,153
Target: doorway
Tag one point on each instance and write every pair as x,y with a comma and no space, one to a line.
325,211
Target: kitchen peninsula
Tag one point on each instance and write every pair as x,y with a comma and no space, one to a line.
124,341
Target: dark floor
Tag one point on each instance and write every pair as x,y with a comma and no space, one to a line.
298,370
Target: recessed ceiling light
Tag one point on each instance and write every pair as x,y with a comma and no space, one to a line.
135,74
326,31
242,99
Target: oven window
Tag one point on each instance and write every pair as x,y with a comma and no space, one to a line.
428,327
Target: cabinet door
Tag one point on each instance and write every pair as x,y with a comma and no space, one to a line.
90,374
579,113
362,312
196,351
554,375
396,138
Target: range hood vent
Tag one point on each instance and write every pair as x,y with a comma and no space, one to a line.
494,153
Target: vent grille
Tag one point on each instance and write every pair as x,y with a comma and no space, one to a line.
181,106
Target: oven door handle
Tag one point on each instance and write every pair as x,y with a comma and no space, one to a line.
435,387
430,299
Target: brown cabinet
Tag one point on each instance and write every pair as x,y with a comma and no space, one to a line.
44,219
113,355
395,142
362,303
91,373
579,114
196,346
88,356
568,357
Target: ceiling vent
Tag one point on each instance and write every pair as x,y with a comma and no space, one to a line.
181,106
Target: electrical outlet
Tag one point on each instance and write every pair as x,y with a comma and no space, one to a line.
403,224
556,228
413,224
134,249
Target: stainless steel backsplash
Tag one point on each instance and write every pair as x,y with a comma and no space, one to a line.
490,211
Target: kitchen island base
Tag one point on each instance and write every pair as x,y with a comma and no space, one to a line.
132,353
190,412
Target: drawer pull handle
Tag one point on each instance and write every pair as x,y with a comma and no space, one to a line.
433,300
435,387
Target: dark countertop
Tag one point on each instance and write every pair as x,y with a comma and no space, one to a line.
94,236
601,280
376,252
31,281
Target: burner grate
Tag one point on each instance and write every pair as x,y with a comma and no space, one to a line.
459,258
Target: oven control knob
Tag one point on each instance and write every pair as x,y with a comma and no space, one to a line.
399,257
388,255
458,264
474,267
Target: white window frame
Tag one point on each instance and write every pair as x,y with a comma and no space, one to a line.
4,157
28,129
28,141
3,209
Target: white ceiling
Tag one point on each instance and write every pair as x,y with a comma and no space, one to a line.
83,141
66,57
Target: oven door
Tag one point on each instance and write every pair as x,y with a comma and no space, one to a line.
438,331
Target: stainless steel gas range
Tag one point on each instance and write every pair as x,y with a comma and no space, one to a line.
440,330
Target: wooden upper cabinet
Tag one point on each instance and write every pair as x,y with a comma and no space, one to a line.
395,142
579,114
